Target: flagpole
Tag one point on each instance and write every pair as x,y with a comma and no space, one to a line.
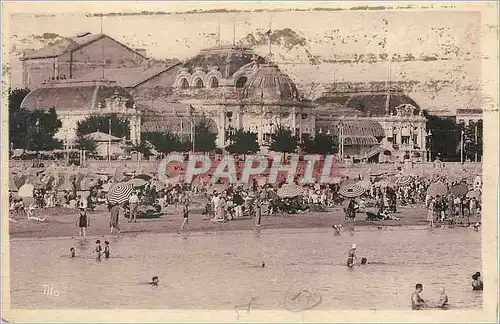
109,142
462,146
475,141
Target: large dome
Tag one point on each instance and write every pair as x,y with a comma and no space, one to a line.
269,84
227,59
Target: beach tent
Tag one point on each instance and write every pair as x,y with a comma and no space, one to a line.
26,191
290,190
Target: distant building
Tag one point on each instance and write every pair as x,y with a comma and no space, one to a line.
106,144
386,125
469,115
76,57
234,89
76,100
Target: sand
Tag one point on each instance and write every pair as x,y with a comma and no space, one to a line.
61,222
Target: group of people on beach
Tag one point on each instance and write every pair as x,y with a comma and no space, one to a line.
99,251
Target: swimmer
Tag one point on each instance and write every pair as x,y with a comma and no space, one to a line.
443,300
98,249
337,229
72,252
417,302
155,281
364,261
477,226
351,256
477,283
106,249
263,264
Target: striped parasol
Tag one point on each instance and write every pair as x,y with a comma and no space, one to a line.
437,189
26,191
403,180
351,190
474,194
120,193
137,182
290,190
459,189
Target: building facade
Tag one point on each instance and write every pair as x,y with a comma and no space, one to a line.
76,57
74,101
234,89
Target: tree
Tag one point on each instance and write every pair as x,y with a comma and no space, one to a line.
473,140
31,130
143,148
100,123
87,144
445,138
166,142
283,141
321,144
204,139
243,142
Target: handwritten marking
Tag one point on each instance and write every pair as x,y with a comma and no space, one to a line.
248,306
298,299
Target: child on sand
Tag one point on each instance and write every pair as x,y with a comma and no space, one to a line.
72,252
106,249
83,222
98,249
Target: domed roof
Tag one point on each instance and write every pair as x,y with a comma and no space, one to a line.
269,84
227,59
70,95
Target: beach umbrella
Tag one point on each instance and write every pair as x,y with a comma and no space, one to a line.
33,180
290,190
352,190
20,179
459,189
403,180
106,187
143,176
137,182
474,194
437,189
26,191
120,193
12,184
87,183
365,184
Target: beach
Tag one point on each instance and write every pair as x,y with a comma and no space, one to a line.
61,222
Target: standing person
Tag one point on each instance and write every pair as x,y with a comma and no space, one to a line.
107,252
257,209
417,301
133,202
98,249
113,220
215,204
83,222
472,211
185,212
238,205
430,213
221,208
351,256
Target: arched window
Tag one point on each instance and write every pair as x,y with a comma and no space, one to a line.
240,83
199,83
214,83
184,84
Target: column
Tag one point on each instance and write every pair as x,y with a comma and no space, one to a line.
260,136
222,129
313,124
294,122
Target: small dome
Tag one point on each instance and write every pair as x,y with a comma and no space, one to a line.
269,84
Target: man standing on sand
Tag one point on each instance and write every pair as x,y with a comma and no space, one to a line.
417,302
133,202
185,211
113,221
